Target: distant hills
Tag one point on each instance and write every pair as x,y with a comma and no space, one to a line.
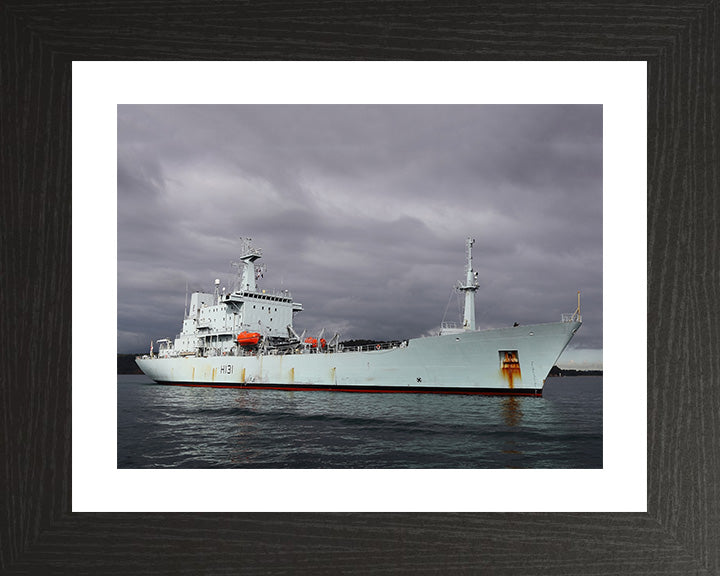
126,364
555,371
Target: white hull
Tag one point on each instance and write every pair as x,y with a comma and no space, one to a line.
467,362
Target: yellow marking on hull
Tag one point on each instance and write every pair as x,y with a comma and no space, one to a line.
213,374
193,375
292,375
242,376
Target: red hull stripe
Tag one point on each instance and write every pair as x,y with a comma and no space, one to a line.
404,390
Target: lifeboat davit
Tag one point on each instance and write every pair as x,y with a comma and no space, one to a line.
248,338
314,343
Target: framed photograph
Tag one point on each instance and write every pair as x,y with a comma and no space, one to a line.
355,221
650,507
543,151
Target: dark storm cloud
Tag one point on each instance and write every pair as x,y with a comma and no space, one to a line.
362,212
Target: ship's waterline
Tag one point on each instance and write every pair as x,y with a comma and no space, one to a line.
246,339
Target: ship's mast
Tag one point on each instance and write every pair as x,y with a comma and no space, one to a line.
470,287
248,255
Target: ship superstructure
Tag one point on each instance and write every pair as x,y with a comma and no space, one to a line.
245,338
214,321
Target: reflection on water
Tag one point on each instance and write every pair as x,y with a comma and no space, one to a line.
512,415
511,411
175,427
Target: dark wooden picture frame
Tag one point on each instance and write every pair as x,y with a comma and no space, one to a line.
680,533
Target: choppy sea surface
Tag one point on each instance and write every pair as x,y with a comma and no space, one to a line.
177,427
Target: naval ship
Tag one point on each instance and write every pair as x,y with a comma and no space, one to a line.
244,338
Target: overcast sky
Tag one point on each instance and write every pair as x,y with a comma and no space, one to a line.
362,213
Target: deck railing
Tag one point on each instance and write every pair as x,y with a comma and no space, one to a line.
574,317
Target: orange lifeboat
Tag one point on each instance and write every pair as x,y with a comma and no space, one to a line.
248,338
314,343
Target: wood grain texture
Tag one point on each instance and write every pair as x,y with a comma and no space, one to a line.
680,534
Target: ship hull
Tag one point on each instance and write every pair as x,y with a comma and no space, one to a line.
470,362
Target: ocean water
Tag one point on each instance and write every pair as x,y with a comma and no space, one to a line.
178,427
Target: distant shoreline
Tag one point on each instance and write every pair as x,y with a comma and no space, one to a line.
560,372
126,365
